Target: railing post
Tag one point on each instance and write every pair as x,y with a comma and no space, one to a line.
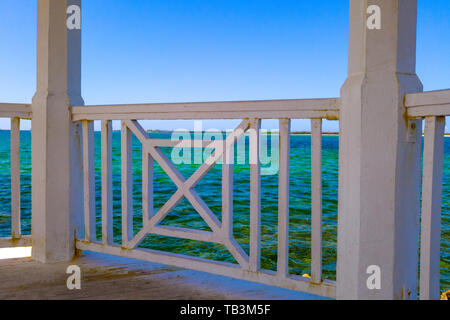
56,152
379,175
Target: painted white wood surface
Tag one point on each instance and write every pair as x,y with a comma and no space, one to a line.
430,103
24,241
255,195
379,156
272,109
325,289
371,125
106,154
427,98
127,183
89,181
283,198
316,200
15,178
430,253
13,110
55,148
147,186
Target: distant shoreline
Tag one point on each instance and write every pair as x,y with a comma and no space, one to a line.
293,132
330,133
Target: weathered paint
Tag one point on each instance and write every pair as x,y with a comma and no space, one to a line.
380,109
379,170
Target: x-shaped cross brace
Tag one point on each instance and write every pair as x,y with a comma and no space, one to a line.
186,190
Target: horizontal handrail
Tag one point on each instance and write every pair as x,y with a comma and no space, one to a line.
264,109
15,110
430,103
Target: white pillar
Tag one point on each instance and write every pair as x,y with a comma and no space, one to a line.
75,99
379,174
55,146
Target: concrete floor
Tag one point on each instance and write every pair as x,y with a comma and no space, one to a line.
112,278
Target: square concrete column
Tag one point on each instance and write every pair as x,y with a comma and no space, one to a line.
379,169
56,152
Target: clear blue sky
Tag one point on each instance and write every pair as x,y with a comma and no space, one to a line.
144,51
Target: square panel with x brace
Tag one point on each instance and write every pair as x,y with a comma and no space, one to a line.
220,234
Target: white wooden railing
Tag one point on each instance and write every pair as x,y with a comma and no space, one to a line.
15,112
373,72
252,112
432,106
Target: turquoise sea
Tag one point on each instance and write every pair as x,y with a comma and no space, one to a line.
209,189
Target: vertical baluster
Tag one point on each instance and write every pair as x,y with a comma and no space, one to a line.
316,200
283,198
433,157
255,195
147,185
15,178
227,190
127,184
89,181
107,218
